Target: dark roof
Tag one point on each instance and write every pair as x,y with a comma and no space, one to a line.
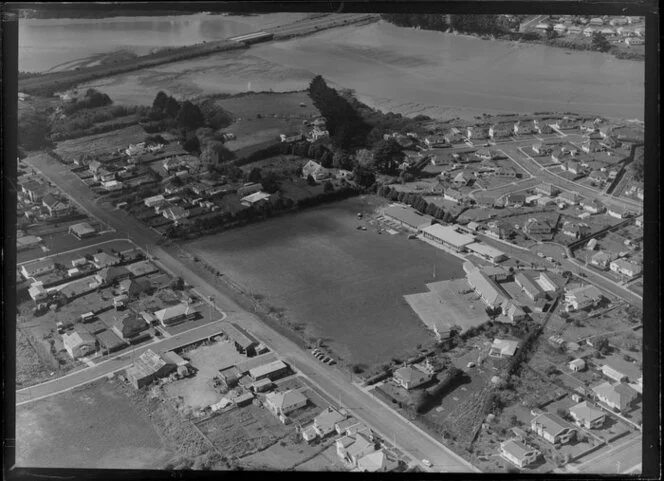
239,335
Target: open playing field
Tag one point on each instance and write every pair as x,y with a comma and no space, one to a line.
345,285
92,427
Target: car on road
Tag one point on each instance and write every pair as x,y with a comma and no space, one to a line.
427,463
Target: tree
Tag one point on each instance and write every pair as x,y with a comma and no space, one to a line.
270,182
254,175
32,130
311,180
600,43
328,187
341,160
365,159
190,116
160,101
387,154
172,107
191,144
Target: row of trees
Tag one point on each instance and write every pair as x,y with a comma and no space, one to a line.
92,99
416,201
480,24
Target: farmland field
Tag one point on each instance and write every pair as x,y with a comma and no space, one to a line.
337,281
94,427
101,143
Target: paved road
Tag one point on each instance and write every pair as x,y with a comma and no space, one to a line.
621,457
385,421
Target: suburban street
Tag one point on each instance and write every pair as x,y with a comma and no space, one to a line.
621,458
336,384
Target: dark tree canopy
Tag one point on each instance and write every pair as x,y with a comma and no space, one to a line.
190,116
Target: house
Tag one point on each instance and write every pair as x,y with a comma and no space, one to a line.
515,200
513,312
591,146
518,453
102,259
315,170
325,422
243,341
485,154
175,213
542,127
639,221
582,298
130,327
545,200
35,269
108,275
534,226
523,128
283,403
248,188
601,260
529,287
79,344
410,377
377,462
82,230
577,365
547,189
588,32
454,195
594,207
175,314
55,207
503,348
617,212
148,367
256,198
587,416
342,426
592,243
576,230
435,141
541,148
154,200
598,176
552,428
570,197
560,28
112,185
619,396
454,136
500,131
290,137
353,448
486,288
614,374
37,292
462,179
133,287
625,267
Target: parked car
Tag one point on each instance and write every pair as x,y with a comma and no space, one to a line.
427,463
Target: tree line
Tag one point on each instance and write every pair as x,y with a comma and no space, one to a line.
479,24
416,201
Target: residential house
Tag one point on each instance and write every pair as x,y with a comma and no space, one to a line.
244,342
38,268
434,141
342,426
79,344
587,416
290,137
625,267
55,207
534,226
82,230
552,428
524,128
315,170
108,275
485,154
500,131
175,213
102,259
154,200
570,197
577,365
377,462
130,327
593,206
352,448
518,453
513,312
148,367
256,198
37,292
582,298
133,287
614,373
542,149
34,190
271,371
173,164
477,132
639,221
542,127
462,179
503,348
515,200
454,136
284,403
591,146
601,260
325,422
410,377
619,396
617,211
454,195
175,314
576,230
599,177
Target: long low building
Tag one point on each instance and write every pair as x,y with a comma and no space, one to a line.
486,252
408,218
448,236
271,371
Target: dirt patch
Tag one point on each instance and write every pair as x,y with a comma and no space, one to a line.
101,427
30,368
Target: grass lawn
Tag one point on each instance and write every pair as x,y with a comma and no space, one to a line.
30,368
101,143
342,285
92,427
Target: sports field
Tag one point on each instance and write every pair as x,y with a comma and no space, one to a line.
345,285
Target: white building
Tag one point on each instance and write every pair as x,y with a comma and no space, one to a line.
448,237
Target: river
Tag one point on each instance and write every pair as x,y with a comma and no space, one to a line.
392,68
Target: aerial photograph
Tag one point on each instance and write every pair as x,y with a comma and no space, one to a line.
310,241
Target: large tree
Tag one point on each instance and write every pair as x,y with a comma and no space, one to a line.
387,154
190,116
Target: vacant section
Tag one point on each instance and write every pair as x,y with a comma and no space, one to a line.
341,284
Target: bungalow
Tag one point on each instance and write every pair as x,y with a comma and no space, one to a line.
478,132
500,131
577,230
588,32
130,327
133,287
614,374
37,292
290,137
325,422
625,267
27,242
154,200
545,200
462,179
639,221
112,185
82,230
547,189
79,344
601,260
454,195
352,448
619,396
577,365
173,163
513,312
55,207
104,175
377,462
283,403
503,348
515,200
256,198
608,32
315,170
598,176
518,453
570,197
102,259
552,428
175,213
586,416
38,268
542,127
541,148
175,314
534,226
410,377
594,207
582,298
523,128
434,141
617,212
454,136
342,426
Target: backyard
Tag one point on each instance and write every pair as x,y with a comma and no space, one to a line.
101,143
